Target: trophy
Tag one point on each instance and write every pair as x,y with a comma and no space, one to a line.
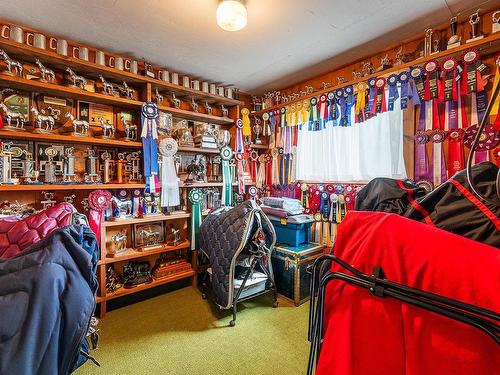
158,97
136,273
5,165
474,25
18,67
165,121
12,115
68,165
184,136
43,123
130,130
223,137
428,42
119,241
257,129
80,127
91,171
48,200
149,236
135,162
194,105
215,175
70,198
108,129
454,40
151,204
224,111
208,108
50,166
108,167
495,22
122,206
175,102
121,165
174,237
28,168
197,169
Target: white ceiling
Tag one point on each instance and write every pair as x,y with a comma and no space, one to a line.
285,41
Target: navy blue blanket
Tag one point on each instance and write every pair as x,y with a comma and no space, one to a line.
47,297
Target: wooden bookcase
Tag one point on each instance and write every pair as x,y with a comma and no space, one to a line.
145,88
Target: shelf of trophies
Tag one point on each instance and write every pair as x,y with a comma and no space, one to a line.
488,44
197,116
146,219
52,187
117,72
61,138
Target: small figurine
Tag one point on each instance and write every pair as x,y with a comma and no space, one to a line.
107,87
11,64
158,97
47,75
80,127
76,80
130,130
108,130
12,115
41,119
194,105
126,91
208,108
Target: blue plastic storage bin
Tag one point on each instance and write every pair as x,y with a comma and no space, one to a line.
291,233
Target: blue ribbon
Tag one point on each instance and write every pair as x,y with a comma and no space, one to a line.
392,81
403,79
373,90
349,103
339,94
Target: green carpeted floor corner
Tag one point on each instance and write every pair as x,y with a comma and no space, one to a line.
180,333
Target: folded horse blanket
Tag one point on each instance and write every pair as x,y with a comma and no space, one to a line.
47,297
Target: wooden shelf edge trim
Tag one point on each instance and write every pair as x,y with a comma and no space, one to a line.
134,254
149,219
123,292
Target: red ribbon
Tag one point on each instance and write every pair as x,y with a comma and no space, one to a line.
455,160
379,90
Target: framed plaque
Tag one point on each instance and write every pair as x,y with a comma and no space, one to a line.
149,236
91,112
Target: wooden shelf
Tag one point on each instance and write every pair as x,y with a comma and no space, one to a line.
91,70
50,187
203,184
60,138
485,45
197,116
132,254
123,292
147,219
199,150
66,92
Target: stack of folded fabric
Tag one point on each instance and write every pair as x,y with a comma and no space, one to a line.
287,216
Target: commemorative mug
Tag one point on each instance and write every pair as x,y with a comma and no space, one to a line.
175,78
204,86
81,52
185,82
116,62
213,89
229,92
38,40
220,91
15,33
100,58
163,75
131,66
59,45
195,84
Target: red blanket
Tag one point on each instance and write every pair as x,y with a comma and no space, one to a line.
370,335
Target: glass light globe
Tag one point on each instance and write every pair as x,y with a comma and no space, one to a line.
231,15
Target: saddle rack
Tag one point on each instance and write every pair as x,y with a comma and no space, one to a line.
378,286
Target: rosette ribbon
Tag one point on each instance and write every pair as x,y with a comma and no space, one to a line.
379,105
349,102
392,82
313,113
99,200
455,151
323,109
404,78
418,88
247,129
227,187
438,162
195,197
149,138
421,162
239,135
371,94
169,184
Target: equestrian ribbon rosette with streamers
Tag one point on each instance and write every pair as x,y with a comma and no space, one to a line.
169,184
99,200
195,197
149,137
227,188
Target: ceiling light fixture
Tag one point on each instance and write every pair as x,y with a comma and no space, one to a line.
231,15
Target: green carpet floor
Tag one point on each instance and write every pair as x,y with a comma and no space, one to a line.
179,333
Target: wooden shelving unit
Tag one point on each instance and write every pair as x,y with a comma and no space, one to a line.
61,138
489,43
132,254
51,187
145,91
92,70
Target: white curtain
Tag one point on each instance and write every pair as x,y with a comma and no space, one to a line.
361,152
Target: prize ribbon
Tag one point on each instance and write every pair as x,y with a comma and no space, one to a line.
195,197
169,185
282,117
149,137
227,187
239,135
99,200
313,113
392,81
403,79
247,130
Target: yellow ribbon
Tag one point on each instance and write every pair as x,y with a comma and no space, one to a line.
247,129
361,97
